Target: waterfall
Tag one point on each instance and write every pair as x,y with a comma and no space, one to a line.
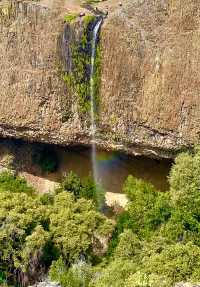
92,98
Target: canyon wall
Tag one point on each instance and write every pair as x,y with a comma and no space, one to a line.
149,90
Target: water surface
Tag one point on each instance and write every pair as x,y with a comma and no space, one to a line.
113,167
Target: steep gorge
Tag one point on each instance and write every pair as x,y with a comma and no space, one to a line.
149,89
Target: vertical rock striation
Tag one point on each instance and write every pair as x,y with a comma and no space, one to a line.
33,96
150,73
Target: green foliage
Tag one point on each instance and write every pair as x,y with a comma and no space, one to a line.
97,79
80,274
182,227
129,245
141,279
91,1
85,188
155,242
34,230
22,219
2,278
114,274
94,191
167,225
88,19
178,262
184,182
46,158
69,18
12,183
72,183
148,208
75,225
78,80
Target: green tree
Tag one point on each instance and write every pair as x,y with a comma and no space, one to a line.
71,183
78,275
35,229
147,209
114,274
21,221
185,182
85,188
177,262
75,225
129,245
13,183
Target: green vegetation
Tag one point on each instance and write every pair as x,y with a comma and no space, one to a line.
91,1
88,19
37,229
155,241
11,183
69,18
46,158
78,80
85,188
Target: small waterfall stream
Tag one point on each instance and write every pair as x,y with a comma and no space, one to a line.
92,98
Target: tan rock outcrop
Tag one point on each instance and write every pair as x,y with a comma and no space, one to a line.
150,97
33,95
151,73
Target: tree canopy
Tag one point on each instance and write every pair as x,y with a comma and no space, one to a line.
154,242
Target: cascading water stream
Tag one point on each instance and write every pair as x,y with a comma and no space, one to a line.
92,98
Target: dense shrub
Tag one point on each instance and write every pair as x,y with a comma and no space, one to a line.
141,279
75,225
185,183
85,188
78,275
129,246
148,208
35,229
114,274
178,262
12,183
155,242
163,228
46,158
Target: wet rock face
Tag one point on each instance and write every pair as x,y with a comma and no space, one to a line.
149,84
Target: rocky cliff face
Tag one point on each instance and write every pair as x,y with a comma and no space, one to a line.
33,95
149,98
150,74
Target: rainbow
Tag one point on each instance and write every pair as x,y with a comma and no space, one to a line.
106,159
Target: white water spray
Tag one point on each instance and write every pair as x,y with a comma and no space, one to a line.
92,98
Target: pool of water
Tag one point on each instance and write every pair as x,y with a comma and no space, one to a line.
113,167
